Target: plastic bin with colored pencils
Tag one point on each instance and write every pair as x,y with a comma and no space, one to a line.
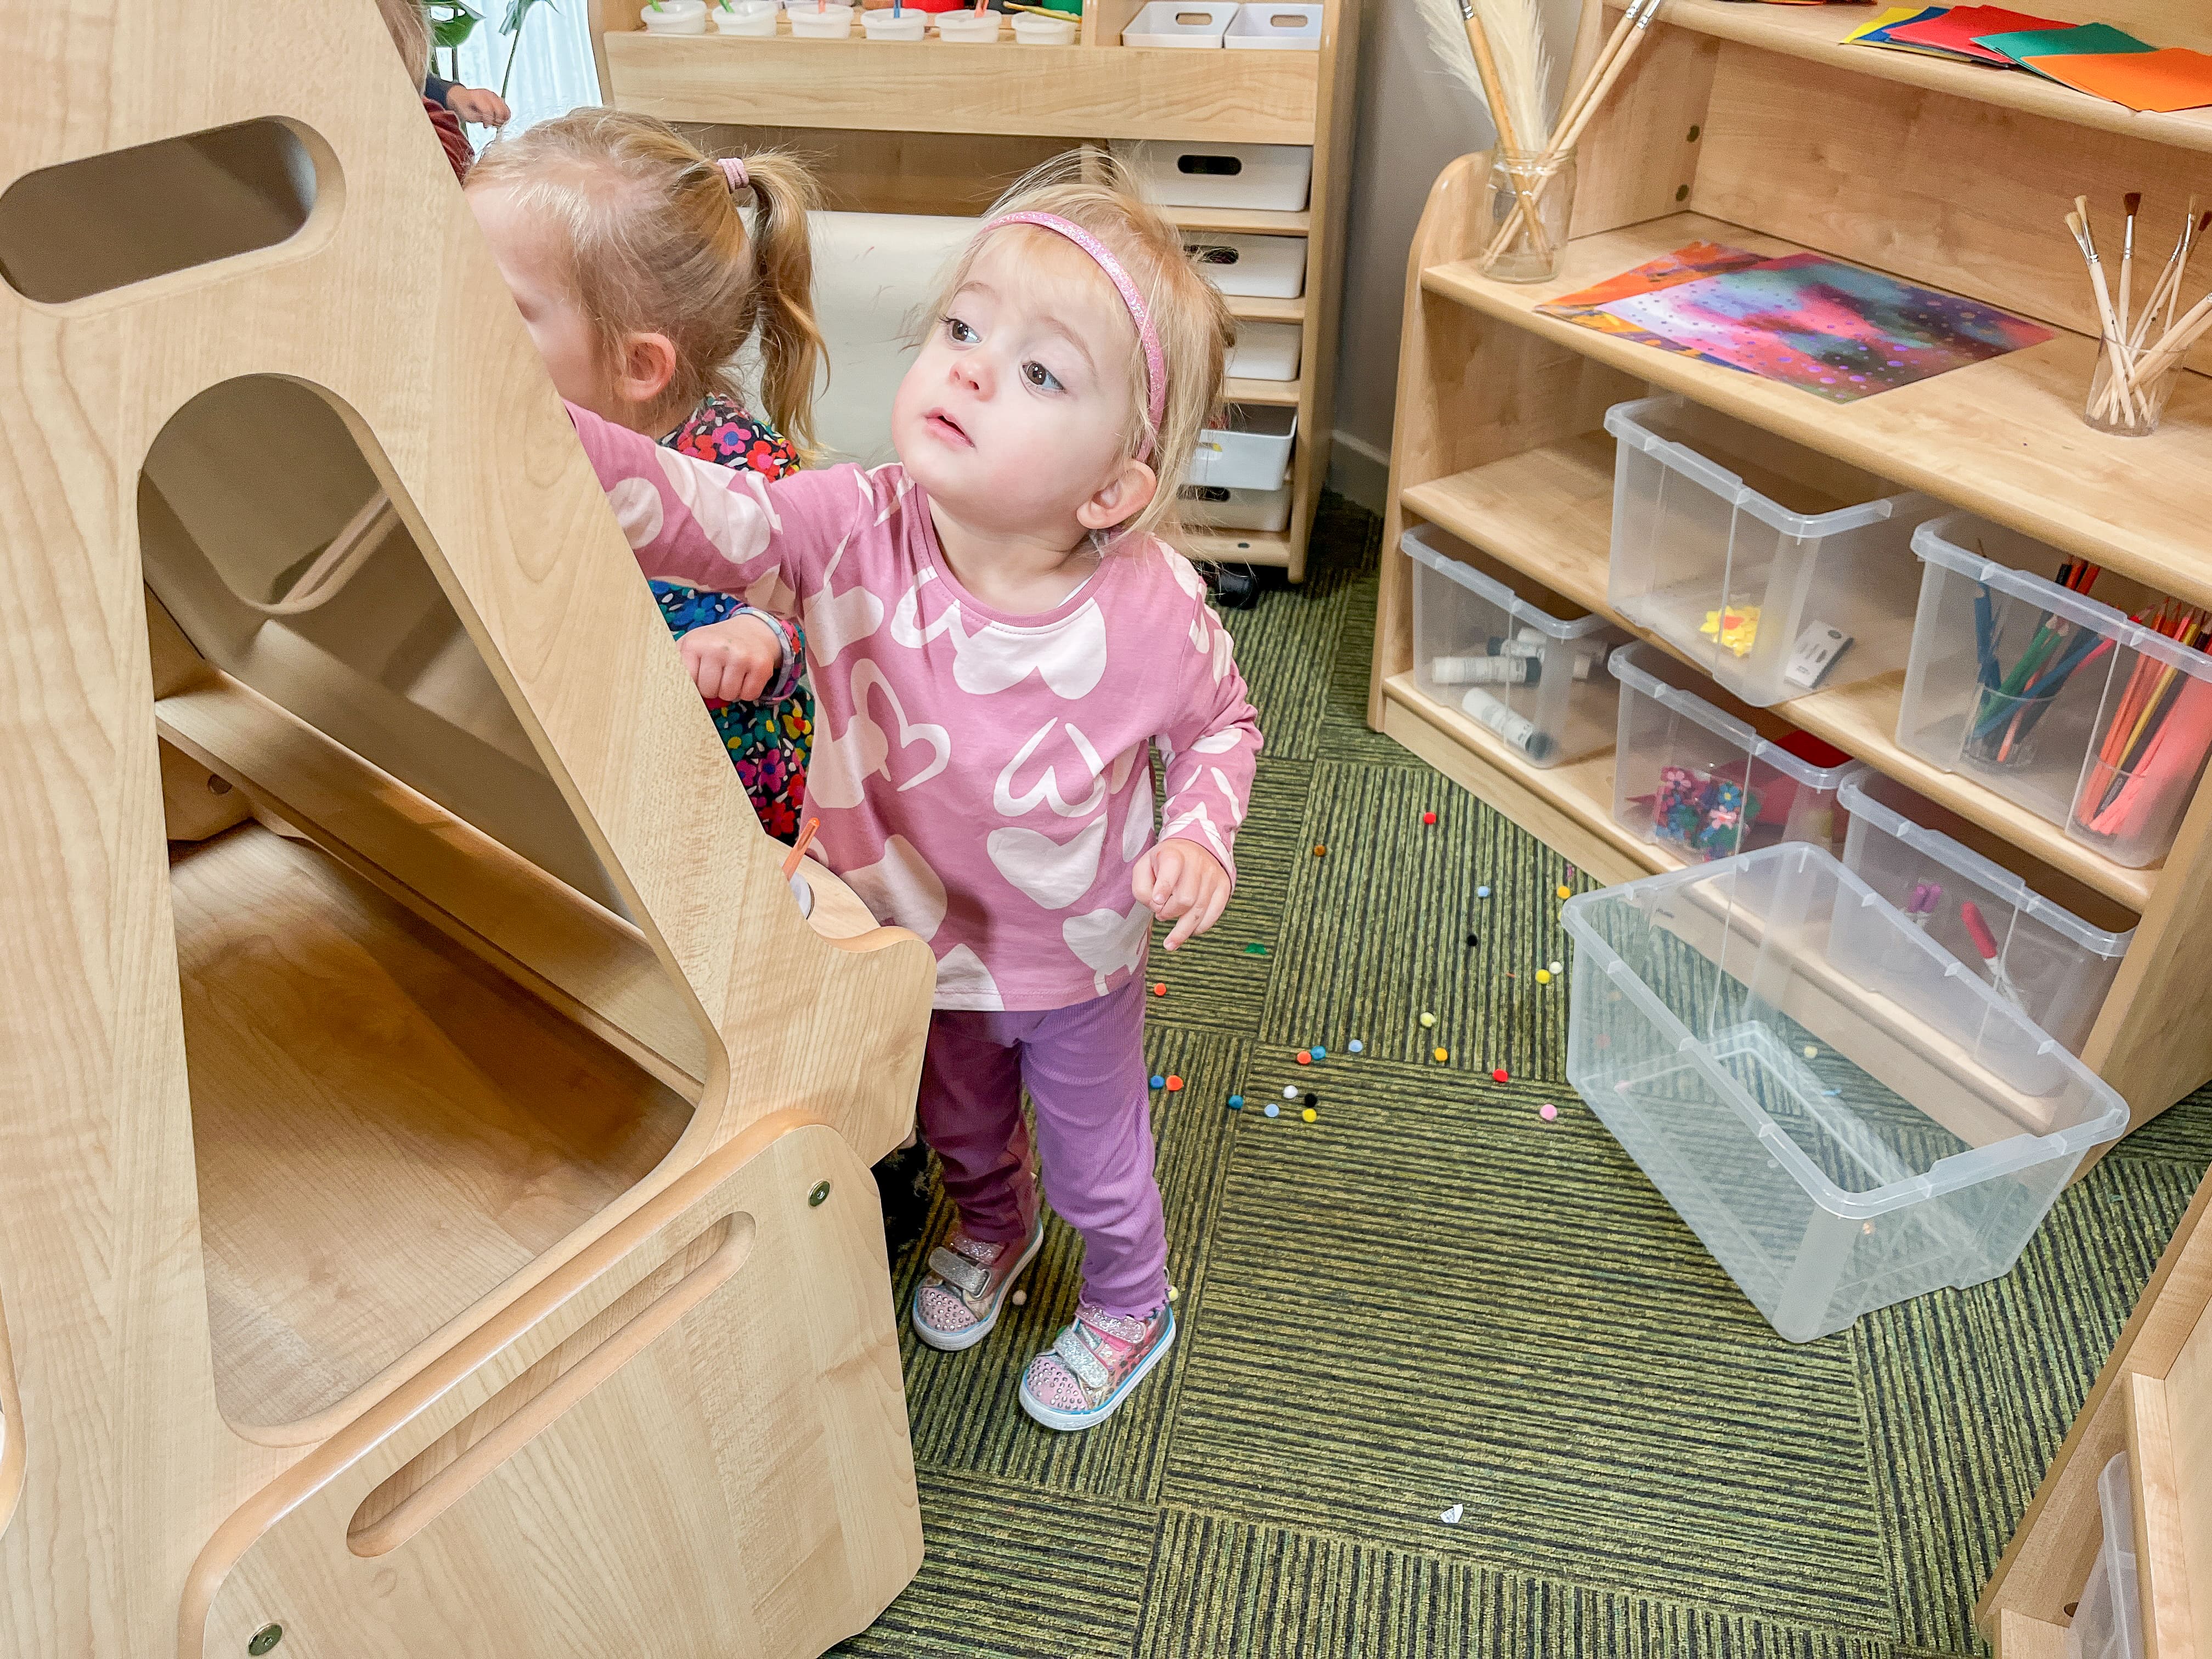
2092,719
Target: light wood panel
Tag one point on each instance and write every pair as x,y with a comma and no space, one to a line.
1276,394
934,173
1268,547
1064,92
1256,222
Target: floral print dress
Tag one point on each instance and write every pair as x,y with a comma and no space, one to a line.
768,740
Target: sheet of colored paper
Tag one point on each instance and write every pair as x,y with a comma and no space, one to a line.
2089,40
1890,19
1834,329
1879,34
1685,265
2167,80
1954,31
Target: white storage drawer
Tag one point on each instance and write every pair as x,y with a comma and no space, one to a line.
1212,508
1170,23
1266,351
1273,176
1252,452
1251,267
1292,28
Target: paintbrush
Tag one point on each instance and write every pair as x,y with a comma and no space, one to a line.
2078,223
1495,49
2175,263
798,848
2132,202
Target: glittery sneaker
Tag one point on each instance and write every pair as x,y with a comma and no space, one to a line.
1091,1366
956,1305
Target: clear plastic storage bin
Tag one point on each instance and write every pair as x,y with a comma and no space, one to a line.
2043,958
2108,1615
1700,782
1835,1151
1538,682
1779,570
2051,699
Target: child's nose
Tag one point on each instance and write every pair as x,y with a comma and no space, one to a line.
973,370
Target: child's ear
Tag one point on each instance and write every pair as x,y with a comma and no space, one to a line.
1124,496
648,365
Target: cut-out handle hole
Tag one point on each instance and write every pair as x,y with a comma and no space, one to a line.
1219,166
1217,256
105,221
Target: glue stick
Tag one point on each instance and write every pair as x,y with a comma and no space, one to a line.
1517,730
1485,670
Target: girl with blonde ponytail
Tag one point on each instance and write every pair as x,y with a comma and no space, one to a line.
629,252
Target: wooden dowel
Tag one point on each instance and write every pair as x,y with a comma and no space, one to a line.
1485,65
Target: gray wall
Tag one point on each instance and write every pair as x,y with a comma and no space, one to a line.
1413,117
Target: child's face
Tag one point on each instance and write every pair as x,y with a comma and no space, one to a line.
528,256
1014,416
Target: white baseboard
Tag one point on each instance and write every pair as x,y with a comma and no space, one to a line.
1359,470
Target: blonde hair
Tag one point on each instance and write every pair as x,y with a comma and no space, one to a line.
1091,191
410,34
656,244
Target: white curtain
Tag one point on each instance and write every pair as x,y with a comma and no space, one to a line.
553,69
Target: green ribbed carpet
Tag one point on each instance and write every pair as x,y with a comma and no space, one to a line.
1431,1298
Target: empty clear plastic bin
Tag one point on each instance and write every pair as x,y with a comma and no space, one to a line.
2039,955
1537,683
2108,1615
1835,1151
1703,783
2051,698
1778,570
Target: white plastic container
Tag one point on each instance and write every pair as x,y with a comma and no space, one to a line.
1294,27
2052,964
1703,783
675,17
1274,177
971,28
1168,23
1778,570
1214,508
820,22
1253,267
904,26
1032,30
1837,1152
1536,682
749,19
1266,351
2049,741
2107,1620
1252,452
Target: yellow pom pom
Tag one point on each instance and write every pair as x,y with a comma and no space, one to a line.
1309,1115
1543,976
1442,1054
1565,891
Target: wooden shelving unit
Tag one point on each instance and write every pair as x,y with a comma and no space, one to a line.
892,124
1732,126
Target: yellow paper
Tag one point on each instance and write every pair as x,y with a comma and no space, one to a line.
1737,633
1894,14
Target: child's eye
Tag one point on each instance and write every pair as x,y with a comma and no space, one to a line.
1041,377
959,333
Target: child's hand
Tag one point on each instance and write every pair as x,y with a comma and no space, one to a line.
1180,878
733,661
485,109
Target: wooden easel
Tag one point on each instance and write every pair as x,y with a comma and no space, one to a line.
435,1213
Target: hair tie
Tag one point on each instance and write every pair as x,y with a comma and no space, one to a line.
1156,370
733,169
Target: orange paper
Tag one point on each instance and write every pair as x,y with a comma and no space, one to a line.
2171,79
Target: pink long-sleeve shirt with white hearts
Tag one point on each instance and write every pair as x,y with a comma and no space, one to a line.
982,779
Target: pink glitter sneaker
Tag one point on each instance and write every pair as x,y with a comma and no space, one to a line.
1092,1365
957,1304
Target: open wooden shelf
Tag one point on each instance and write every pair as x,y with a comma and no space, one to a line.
1817,32
2004,437
1269,547
1281,394
1250,308
1252,221
1056,92
1548,511
386,1128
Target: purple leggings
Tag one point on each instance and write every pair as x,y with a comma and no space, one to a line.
1085,1067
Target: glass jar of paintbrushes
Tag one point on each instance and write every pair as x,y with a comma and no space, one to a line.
1527,205
2090,717
2144,331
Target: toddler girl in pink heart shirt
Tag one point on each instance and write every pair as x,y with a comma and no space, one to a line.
998,637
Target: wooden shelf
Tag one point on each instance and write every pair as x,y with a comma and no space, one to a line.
1055,92
1817,32
1281,394
2002,438
1270,547
1248,308
386,1129
1549,513
1252,221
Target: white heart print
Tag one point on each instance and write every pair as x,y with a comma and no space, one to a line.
962,982
1053,874
736,523
1069,655
1107,942
1011,804
900,890
843,760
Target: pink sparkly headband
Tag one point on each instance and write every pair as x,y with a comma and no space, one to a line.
1156,371
733,169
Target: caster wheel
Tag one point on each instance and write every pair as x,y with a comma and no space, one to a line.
1236,587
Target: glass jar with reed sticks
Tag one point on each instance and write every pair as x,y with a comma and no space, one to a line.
1527,202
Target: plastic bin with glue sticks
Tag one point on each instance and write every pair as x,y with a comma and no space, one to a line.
2055,700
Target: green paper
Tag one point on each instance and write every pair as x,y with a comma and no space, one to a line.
2088,40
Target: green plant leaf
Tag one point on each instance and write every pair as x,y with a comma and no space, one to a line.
452,22
517,11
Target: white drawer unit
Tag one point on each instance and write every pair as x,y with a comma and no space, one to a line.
1170,23
1252,451
1251,267
1294,27
1214,508
1266,351
1272,176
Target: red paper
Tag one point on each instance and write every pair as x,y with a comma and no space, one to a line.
1954,31
2175,78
